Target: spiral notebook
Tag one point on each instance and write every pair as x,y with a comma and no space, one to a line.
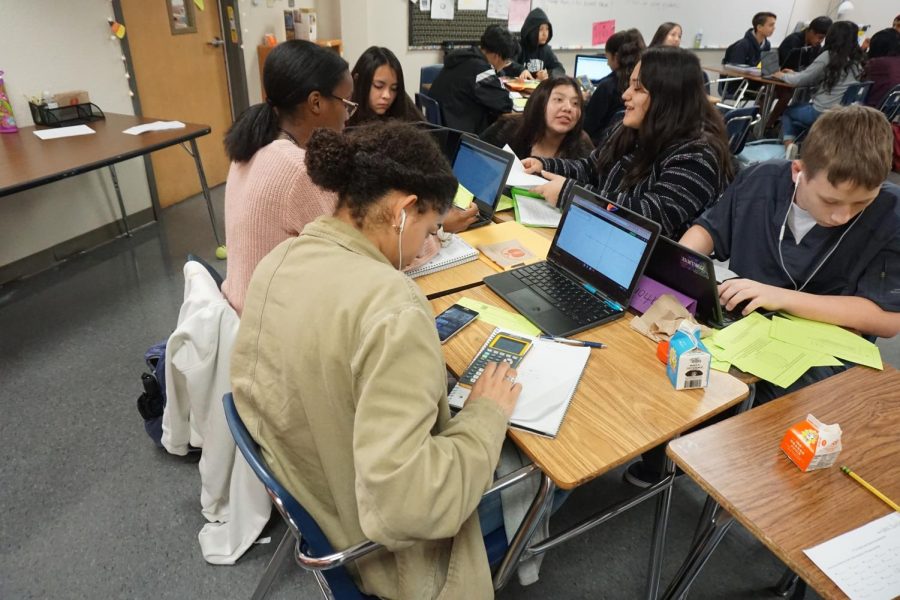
455,253
549,375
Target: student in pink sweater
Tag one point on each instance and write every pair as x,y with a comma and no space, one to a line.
269,196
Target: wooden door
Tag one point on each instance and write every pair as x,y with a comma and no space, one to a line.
180,77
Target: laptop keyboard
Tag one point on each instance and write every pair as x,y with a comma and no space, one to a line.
563,293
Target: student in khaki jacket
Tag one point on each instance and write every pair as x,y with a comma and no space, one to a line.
339,375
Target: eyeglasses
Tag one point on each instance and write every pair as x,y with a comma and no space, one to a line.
348,104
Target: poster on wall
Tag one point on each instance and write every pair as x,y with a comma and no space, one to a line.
442,9
424,5
472,5
518,10
497,9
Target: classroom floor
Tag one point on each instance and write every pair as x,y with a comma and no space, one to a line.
92,509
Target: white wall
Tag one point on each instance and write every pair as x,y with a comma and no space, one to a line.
78,55
877,13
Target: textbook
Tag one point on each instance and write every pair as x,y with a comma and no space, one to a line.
549,375
455,253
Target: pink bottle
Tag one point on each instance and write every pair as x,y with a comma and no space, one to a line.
7,120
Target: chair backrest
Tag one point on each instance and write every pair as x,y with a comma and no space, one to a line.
856,93
313,540
890,106
737,125
427,75
431,108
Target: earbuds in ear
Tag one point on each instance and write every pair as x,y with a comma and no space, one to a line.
402,221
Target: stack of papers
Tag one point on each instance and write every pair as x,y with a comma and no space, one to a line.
63,132
517,175
783,349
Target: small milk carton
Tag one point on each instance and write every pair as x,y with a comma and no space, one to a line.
689,360
812,444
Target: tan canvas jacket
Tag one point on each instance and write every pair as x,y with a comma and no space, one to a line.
339,375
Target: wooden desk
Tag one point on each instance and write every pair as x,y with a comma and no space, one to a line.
26,161
510,215
624,405
472,274
739,464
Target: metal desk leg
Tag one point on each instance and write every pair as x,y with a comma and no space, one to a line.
715,530
115,178
765,108
660,524
212,215
538,510
282,553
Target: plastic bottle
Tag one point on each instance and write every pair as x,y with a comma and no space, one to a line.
7,120
698,39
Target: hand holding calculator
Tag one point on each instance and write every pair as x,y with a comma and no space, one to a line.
503,348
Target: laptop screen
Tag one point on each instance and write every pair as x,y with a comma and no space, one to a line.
604,244
687,272
482,169
595,67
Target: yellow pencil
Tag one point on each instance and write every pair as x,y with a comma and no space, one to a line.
863,483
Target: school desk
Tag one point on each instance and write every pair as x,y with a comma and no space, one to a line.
623,406
767,102
507,216
738,462
472,273
26,161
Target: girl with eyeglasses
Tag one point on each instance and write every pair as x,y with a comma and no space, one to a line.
269,196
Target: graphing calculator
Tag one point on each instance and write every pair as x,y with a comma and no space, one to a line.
502,348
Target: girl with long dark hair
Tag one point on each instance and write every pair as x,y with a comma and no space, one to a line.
268,194
838,66
551,124
378,88
668,160
623,51
668,34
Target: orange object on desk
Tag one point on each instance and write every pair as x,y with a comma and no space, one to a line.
662,351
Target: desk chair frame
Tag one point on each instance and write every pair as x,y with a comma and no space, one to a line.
890,106
324,558
856,93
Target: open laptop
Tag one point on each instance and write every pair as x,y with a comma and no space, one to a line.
595,67
482,169
597,256
770,63
694,275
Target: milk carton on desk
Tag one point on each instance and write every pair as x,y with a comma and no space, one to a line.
689,360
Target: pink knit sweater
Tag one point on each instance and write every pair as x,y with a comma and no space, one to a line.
267,200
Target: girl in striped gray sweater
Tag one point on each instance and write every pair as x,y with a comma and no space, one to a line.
668,160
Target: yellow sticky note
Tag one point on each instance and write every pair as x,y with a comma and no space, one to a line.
199,4
504,319
505,203
463,197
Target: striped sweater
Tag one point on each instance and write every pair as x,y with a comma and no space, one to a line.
685,180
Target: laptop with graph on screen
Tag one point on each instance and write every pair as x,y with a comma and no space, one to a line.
593,267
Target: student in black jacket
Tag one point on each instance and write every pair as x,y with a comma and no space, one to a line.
499,49
623,51
748,50
468,88
536,54
800,48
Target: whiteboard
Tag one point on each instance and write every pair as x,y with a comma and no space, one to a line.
722,22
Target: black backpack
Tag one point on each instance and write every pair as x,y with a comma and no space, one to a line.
152,402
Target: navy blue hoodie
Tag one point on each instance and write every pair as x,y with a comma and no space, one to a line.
534,57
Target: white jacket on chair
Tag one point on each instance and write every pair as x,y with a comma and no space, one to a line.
198,357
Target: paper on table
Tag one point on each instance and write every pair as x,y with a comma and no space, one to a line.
63,132
505,203
154,126
535,212
500,318
517,175
720,365
463,197
864,562
824,337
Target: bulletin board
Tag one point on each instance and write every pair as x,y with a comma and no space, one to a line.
428,33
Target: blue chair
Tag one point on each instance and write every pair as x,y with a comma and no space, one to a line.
856,93
737,124
427,76
890,106
312,549
431,108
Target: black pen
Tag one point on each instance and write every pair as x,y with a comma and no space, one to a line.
563,340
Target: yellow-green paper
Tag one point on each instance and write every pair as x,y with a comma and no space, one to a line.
500,318
463,197
827,338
